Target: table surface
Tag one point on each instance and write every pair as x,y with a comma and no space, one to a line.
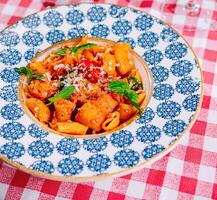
188,172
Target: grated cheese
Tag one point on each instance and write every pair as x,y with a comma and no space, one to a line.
59,66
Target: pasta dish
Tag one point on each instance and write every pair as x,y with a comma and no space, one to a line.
85,88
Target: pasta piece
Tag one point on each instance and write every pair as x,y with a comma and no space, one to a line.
141,96
84,40
109,64
88,54
112,121
39,109
38,67
41,89
63,110
121,51
98,49
71,128
69,58
135,73
106,103
126,111
93,113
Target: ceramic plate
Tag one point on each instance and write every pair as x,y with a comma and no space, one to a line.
176,99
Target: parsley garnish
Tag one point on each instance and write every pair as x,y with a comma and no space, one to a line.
74,50
123,88
29,73
65,93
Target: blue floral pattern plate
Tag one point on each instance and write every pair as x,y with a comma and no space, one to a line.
177,94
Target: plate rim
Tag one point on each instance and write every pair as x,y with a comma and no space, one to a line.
79,179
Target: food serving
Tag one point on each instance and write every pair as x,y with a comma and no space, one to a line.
85,88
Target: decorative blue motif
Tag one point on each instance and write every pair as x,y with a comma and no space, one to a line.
95,145
70,166
168,109
55,36
99,30
146,117
12,131
96,14
169,35
187,86
12,150
128,40
77,32
190,103
126,158
43,166
9,93
122,27
153,57
148,40
36,132
9,75
176,51
98,163
163,91
29,54
148,133
152,150
160,73
53,19
40,149
68,146
11,112
174,128
75,17
122,139
181,68
10,56
143,22
9,38
32,38
31,21
117,11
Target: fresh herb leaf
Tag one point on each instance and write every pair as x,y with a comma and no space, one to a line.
62,52
65,93
29,72
118,87
123,88
133,97
74,50
38,76
24,70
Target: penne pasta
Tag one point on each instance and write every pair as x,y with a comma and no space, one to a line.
38,109
112,121
126,111
71,128
63,110
38,67
41,89
93,113
121,52
141,96
109,64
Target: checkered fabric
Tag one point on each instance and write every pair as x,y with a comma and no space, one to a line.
188,172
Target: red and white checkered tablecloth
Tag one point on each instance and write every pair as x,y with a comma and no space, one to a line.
188,172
